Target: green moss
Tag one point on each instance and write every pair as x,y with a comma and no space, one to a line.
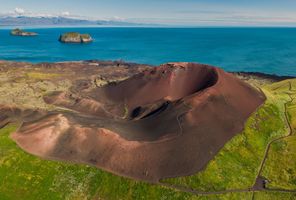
72,34
126,112
20,32
41,76
16,31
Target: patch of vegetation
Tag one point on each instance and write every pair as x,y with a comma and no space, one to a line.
237,164
72,34
280,166
29,95
19,32
274,195
41,76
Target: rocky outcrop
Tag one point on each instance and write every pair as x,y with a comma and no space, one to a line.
75,38
19,32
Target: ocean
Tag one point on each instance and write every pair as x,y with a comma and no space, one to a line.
267,50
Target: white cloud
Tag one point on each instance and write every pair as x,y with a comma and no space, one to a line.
19,11
225,18
116,18
66,13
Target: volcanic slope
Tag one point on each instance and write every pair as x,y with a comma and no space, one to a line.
167,121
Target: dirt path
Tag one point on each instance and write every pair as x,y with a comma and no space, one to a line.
260,181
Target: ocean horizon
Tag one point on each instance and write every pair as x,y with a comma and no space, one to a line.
269,50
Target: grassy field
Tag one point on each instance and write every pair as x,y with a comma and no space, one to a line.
26,177
274,196
280,167
41,76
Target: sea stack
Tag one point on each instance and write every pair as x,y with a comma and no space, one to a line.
19,32
74,37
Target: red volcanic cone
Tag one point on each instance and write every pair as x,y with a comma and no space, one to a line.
168,121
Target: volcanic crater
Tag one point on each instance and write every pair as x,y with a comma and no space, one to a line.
167,121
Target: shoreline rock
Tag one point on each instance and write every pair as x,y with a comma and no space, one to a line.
73,37
20,32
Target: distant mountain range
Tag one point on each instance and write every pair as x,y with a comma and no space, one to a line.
59,21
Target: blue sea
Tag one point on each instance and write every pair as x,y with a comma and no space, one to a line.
268,50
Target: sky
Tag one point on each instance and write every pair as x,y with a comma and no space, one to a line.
171,12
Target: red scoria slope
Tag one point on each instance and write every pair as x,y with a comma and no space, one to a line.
168,121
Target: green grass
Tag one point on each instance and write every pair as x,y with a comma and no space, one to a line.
280,167
41,76
274,196
72,34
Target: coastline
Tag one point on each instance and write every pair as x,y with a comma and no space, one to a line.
154,46
261,75
273,77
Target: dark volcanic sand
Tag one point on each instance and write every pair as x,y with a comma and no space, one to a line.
168,121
